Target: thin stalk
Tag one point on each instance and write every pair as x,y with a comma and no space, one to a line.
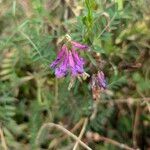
81,133
61,128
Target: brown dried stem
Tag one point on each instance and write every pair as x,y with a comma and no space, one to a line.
129,100
136,124
113,142
81,133
97,137
61,128
56,142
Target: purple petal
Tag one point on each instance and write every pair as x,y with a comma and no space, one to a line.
101,80
79,67
79,62
59,58
72,64
61,71
54,63
78,45
71,60
76,57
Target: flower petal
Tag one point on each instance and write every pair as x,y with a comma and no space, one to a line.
78,62
60,56
71,60
76,57
54,63
62,70
101,80
78,45
59,72
72,64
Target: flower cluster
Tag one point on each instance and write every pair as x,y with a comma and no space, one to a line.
68,61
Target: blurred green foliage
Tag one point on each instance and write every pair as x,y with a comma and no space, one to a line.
30,95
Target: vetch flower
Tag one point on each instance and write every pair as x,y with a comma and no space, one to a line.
98,83
68,61
101,80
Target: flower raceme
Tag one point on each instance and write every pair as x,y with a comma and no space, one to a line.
68,61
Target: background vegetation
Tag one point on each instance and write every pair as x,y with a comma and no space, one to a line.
118,33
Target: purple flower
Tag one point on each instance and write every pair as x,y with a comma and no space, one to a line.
98,80
101,79
98,83
69,61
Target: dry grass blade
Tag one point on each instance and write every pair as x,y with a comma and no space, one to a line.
61,128
81,133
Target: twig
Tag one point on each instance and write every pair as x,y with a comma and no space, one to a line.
121,145
59,127
136,121
135,126
129,100
56,142
3,139
81,133
97,137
